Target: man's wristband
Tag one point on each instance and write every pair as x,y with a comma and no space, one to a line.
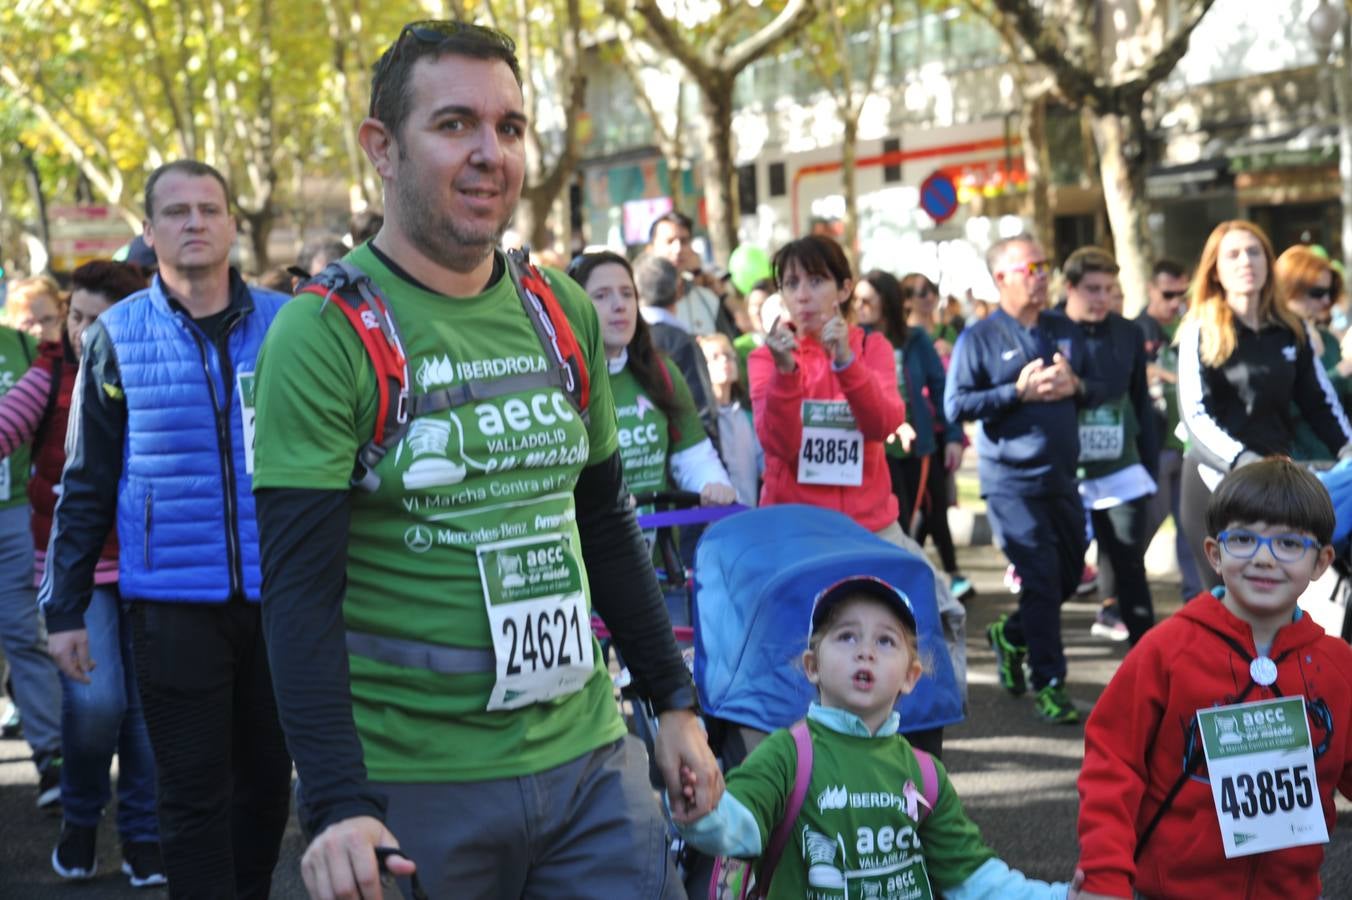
682,698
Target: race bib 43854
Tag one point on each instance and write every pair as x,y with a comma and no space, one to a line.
832,451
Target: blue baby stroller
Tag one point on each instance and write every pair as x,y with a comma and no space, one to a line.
1327,599
756,575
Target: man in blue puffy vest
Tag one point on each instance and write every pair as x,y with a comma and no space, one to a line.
161,444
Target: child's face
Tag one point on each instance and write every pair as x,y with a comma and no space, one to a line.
721,360
863,662
1263,589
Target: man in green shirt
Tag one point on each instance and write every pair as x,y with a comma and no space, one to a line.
470,718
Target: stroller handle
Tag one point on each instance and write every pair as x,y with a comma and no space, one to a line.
670,499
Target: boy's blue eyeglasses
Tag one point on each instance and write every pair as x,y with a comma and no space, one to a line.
1243,544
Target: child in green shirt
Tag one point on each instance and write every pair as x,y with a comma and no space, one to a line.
861,831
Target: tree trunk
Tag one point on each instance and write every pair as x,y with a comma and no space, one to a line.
1120,138
1037,163
720,175
34,179
259,229
532,217
1341,73
676,181
849,153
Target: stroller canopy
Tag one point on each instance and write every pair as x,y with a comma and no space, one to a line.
756,574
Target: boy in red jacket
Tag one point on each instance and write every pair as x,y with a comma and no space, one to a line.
1180,797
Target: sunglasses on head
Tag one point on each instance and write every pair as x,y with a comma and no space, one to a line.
436,32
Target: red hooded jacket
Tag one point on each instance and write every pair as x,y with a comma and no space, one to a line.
1136,741
868,383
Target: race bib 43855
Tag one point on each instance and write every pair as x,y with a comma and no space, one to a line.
1262,775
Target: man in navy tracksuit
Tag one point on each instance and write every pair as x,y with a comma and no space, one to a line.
1018,372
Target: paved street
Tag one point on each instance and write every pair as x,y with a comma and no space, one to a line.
1015,774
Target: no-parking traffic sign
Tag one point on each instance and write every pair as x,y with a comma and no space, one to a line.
939,197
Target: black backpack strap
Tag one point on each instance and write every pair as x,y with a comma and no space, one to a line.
1193,742
485,389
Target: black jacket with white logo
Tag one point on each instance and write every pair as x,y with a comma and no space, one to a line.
1244,405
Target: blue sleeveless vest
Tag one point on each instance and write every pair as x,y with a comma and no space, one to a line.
185,510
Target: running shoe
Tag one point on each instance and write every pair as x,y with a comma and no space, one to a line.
143,864
1088,581
49,781
1054,706
1008,658
74,856
962,587
11,723
1108,624
1012,580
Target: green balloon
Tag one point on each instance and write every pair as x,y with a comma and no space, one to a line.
748,265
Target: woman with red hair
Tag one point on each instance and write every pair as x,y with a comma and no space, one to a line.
1243,359
1310,287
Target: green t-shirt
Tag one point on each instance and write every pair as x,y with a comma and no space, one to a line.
854,836
645,439
17,350
744,344
1305,444
469,501
1167,359
1108,435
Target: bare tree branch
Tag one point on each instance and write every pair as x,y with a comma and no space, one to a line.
1050,48
1173,50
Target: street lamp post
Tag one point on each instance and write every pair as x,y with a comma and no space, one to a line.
1326,22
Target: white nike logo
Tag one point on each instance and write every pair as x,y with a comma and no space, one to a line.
1009,354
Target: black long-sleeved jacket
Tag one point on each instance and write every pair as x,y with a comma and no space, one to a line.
1243,406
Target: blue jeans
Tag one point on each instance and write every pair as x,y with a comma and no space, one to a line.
37,686
102,718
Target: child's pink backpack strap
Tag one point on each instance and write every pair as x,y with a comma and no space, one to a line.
929,783
779,839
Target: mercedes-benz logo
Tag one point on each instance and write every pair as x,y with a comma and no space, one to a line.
418,538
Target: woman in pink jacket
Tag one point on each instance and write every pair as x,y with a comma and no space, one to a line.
825,394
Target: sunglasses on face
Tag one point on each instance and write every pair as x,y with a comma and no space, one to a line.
436,32
1032,267
1173,295
1318,293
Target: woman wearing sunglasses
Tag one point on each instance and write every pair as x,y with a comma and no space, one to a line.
1310,287
1244,359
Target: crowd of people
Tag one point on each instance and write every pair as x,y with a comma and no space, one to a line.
359,534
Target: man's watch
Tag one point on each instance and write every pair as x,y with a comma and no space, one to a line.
682,698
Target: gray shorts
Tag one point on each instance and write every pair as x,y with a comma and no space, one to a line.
590,828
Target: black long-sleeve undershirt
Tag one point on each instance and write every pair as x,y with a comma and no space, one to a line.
303,536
